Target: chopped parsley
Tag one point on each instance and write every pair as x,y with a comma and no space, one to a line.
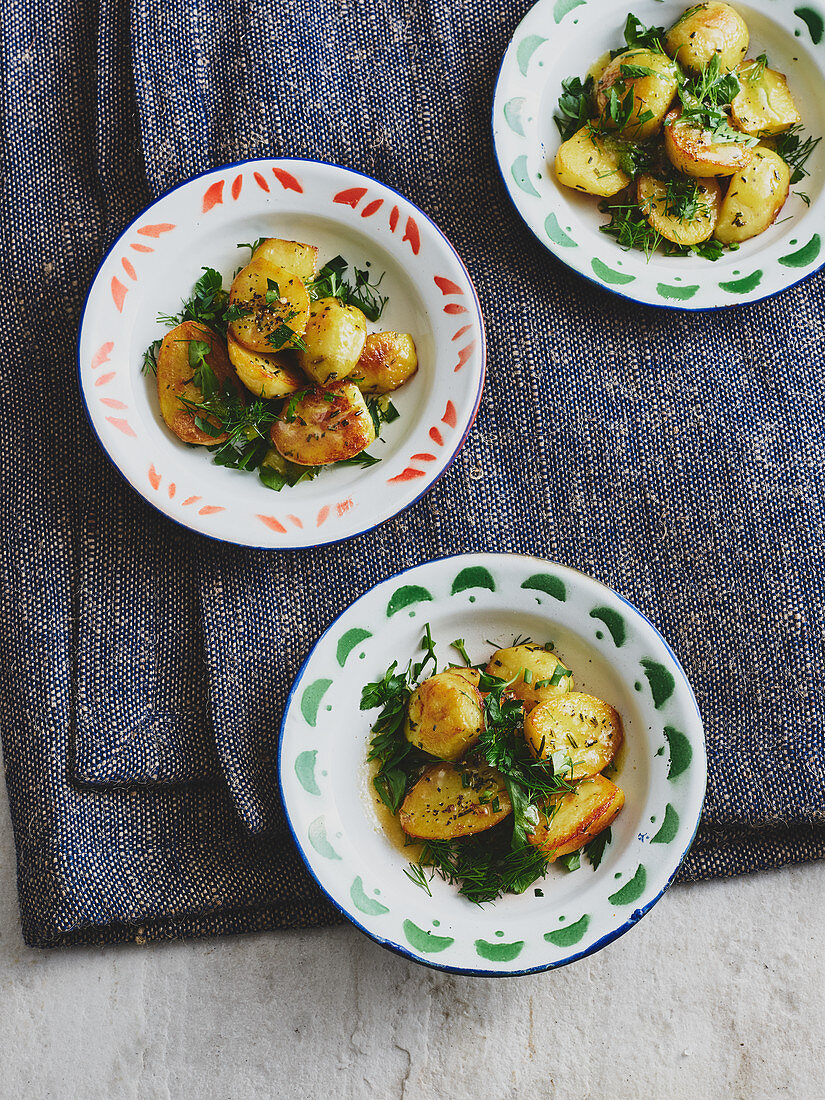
332,282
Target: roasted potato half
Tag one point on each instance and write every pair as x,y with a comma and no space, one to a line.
755,197
445,715
678,215
764,105
334,340
323,426
454,800
571,820
537,673
175,380
265,375
587,730
692,151
706,31
589,162
388,361
277,302
652,76
294,257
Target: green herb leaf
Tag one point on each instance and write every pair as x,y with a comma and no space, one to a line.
594,850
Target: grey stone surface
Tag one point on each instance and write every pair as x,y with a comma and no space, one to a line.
717,993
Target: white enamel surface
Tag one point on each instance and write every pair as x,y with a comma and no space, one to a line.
344,802
228,504
571,46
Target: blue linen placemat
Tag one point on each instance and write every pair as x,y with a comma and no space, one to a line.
678,458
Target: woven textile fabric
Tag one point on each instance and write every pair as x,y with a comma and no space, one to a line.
678,458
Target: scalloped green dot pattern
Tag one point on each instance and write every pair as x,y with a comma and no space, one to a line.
425,942
669,827
475,577
572,934
311,700
499,952
406,596
362,901
631,891
305,771
347,643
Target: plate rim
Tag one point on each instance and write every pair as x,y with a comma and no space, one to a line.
400,949
194,528
684,307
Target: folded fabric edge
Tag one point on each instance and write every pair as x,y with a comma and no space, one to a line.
291,915
725,852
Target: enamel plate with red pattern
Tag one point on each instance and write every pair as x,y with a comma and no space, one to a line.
152,268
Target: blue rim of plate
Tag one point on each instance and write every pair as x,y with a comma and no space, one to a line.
399,949
279,160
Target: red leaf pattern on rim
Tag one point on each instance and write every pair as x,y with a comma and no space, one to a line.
423,458
261,182
237,184
393,218
436,436
273,524
454,307
210,509
449,416
113,403
102,379
323,516
129,268
371,207
411,234
447,286
295,520
465,354
343,506
154,478
171,489
156,230
190,500
287,180
214,195
351,196
461,331
119,292
141,247
122,426
406,475
102,354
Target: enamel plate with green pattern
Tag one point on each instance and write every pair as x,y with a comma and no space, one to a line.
562,38
615,653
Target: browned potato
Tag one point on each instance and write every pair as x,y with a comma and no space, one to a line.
755,197
653,90
692,151
664,211
175,380
587,730
278,306
572,820
265,375
334,339
324,426
294,257
764,105
537,673
388,361
706,31
589,162
445,716
454,800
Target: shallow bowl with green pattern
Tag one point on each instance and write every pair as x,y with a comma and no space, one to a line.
562,38
614,652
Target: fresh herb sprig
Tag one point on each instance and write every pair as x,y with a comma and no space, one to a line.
575,105
207,304
795,151
332,282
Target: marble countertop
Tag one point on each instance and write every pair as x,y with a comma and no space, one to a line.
718,992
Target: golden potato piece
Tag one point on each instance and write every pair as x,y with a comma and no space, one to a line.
706,31
587,730
278,306
323,426
265,375
653,90
692,151
683,211
537,673
294,257
445,715
589,162
755,197
571,820
176,380
388,361
454,800
764,105
335,336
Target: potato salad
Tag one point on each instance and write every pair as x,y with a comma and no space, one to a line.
280,374
494,771
691,145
